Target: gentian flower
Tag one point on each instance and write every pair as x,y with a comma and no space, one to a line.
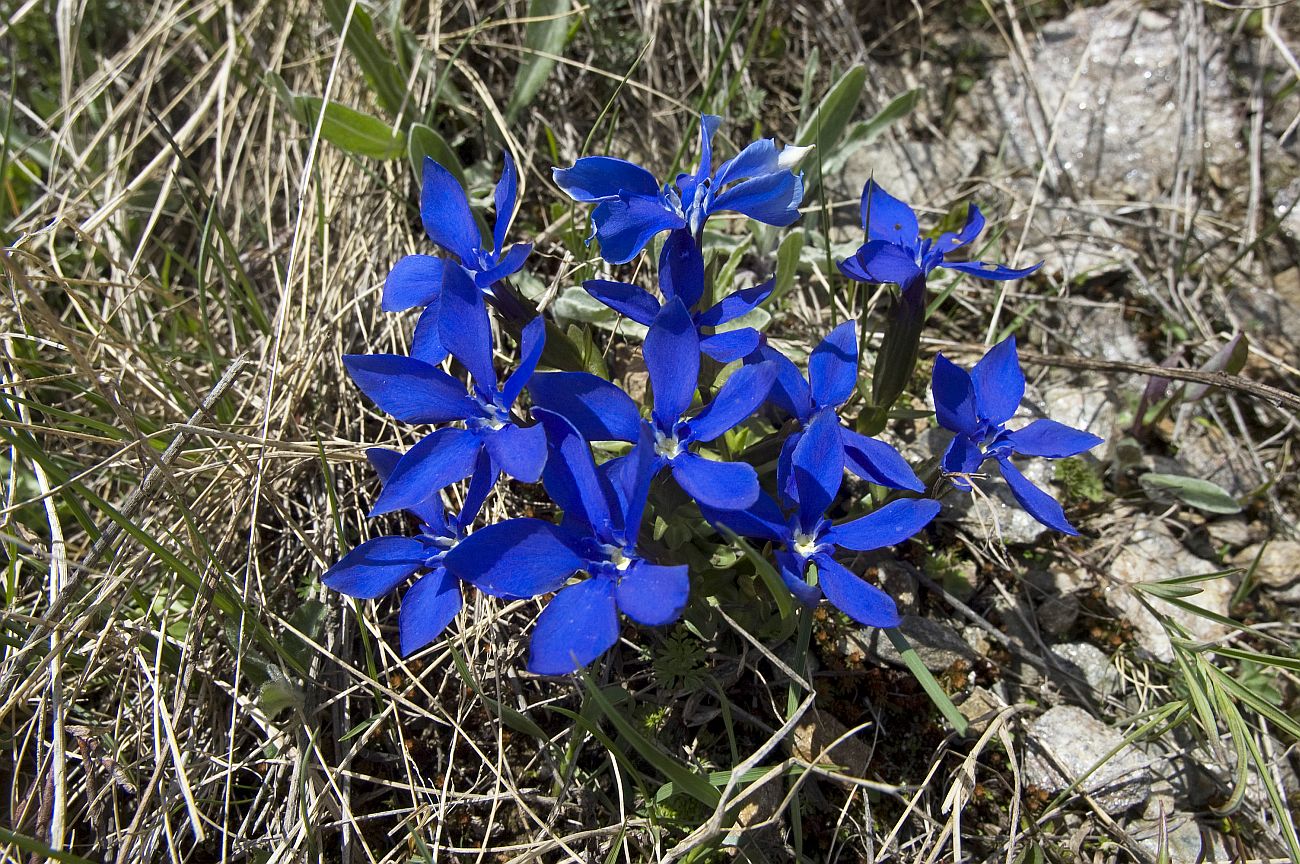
414,391
895,251
681,274
602,412
416,280
603,509
832,374
977,407
380,564
807,537
631,207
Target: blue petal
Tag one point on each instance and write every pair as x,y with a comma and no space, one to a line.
464,328
962,456
414,281
718,485
531,343
503,196
877,462
886,218
480,484
681,268
570,475
852,268
630,477
438,460
575,628
515,559
409,390
599,410
737,399
431,511
792,567
1051,439
735,304
672,357
762,519
833,366
624,225
886,262
376,567
426,344
428,607
954,397
818,467
790,391
949,241
985,270
864,603
772,199
1036,502
630,301
889,525
731,345
596,178
653,594
758,157
999,384
444,209
519,450
507,265
709,124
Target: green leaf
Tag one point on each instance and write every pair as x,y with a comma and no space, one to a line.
38,849
684,778
546,35
575,304
425,141
787,263
381,73
923,677
866,132
350,130
1192,491
1231,358
828,122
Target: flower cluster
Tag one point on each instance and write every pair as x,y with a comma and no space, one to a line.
607,463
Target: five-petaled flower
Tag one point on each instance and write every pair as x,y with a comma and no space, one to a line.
603,508
832,375
808,537
416,280
895,251
414,391
602,412
380,564
681,275
631,207
977,406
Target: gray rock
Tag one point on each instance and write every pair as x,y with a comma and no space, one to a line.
1076,741
1057,614
938,645
1091,409
1279,565
993,511
1153,554
1102,332
979,709
1103,88
1183,839
1232,531
1085,661
1210,454
899,583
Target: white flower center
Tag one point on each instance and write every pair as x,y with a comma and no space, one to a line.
805,544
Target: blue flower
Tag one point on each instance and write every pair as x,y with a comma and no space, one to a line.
414,391
603,509
807,537
832,375
380,564
631,207
416,280
602,412
977,407
895,251
681,274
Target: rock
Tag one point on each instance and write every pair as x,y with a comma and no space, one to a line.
1085,662
1076,741
979,709
1182,837
758,834
1120,125
1091,409
899,583
1209,454
993,511
1279,563
1153,554
1101,332
814,741
938,645
1056,615
1232,531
